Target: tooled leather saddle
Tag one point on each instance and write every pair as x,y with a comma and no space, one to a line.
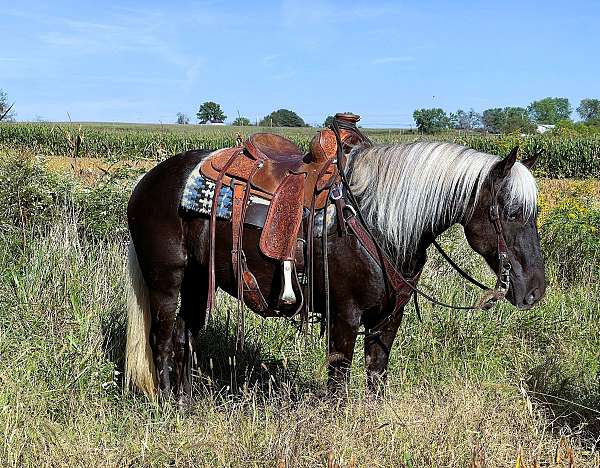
273,168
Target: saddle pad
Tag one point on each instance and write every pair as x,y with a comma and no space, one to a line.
198,196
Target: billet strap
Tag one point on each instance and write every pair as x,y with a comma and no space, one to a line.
250,291
237,231
309,245
211,241
241,197
325,253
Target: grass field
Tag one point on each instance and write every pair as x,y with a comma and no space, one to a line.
466,389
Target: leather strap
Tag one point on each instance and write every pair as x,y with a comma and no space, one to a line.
310,243
211,242
453,264
247,286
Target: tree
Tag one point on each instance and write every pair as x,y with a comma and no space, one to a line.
517,120
242,122
6,112
508,119
210,111
549,111
589,111
463,120
431,120
182,119
493,120
328,121
282,118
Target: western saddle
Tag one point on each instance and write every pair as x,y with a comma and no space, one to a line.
273,168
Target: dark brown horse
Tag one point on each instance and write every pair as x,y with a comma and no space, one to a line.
408,195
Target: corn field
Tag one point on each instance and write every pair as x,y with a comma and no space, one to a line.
572,157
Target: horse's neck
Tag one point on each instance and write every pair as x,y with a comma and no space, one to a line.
415,262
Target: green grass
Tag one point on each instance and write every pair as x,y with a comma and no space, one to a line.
488,382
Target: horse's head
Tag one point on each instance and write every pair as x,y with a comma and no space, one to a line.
510,189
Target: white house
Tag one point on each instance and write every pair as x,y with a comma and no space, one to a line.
544,128
211,122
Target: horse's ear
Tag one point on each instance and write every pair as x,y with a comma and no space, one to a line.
502,168
530,162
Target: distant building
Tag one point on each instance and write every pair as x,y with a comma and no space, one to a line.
212,122
544,128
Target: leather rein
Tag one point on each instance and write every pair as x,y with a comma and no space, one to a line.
354,220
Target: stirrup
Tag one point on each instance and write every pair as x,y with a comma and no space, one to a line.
287,296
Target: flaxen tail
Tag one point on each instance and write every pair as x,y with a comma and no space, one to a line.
139,363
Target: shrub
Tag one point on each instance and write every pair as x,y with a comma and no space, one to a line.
32,197
29,195
571,241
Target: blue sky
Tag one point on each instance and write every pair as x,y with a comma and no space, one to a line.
146,61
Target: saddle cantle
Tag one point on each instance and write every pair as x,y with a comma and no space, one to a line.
272,167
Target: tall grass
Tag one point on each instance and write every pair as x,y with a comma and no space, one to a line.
457,380
463,386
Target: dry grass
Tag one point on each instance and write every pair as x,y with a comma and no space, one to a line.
90,170
463,424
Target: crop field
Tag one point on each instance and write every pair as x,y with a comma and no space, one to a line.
485,388
573,157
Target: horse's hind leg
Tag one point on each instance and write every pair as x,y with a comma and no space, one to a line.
190,321
164,297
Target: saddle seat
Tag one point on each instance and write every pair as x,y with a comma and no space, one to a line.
268,146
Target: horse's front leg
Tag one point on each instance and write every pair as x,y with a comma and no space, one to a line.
342,338
378,345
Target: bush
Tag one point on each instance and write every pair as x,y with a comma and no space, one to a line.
33,198
29,195
571,241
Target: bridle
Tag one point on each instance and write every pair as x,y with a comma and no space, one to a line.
491,296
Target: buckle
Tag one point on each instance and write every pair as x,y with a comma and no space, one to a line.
351,210
494,213
336,192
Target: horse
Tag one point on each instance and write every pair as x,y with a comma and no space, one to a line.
407,194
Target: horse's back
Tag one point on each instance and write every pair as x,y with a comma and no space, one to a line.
163,185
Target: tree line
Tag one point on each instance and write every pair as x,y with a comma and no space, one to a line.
547,111
211,113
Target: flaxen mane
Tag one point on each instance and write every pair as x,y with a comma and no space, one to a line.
408,189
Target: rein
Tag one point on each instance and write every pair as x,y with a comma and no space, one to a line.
360,229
